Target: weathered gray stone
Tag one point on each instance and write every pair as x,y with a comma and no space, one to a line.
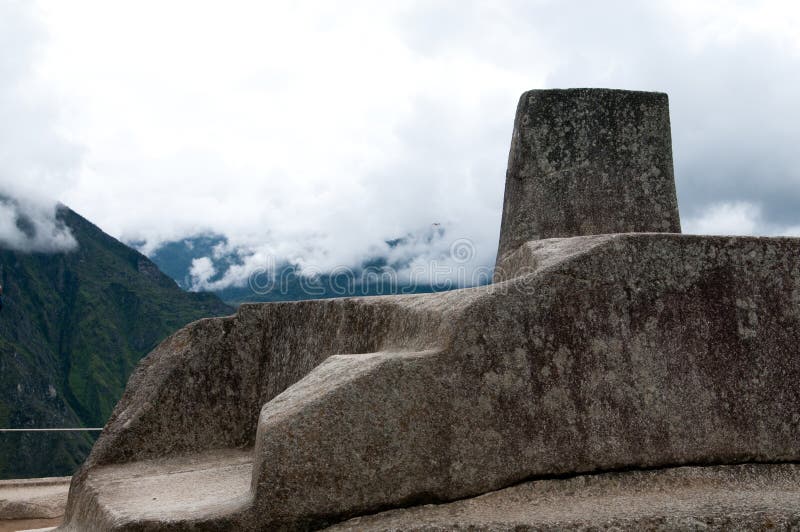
587,162
591,353
743,497
686,354
203,387
38,498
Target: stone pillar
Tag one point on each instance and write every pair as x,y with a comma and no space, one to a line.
586,162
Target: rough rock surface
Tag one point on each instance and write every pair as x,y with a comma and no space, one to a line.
39,498
203,387
685,354
636,350
200,488
743,497
591,353
30,525
587,162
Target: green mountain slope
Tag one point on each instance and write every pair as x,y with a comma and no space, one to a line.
72,329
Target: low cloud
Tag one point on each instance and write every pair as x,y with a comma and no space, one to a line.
37,162
736,218
432,256
31,226
201,272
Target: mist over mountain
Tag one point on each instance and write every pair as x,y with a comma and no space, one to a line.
30,225
418,262
74,324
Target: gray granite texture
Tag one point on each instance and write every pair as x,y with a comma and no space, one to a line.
37,498
738,497
586,162
637,350
592,353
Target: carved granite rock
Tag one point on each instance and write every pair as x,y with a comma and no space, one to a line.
587,162
590,353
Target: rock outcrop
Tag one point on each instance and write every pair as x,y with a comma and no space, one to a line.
591,353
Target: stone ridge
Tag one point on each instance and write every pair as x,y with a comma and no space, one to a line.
589,161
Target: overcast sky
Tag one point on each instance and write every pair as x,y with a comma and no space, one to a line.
315,131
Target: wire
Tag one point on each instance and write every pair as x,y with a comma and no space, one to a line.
53,430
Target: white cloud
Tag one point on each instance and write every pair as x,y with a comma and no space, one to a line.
201,273
735,218
315,131
30,226
36,162
739,218
312,133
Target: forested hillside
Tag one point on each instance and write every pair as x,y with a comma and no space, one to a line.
73,326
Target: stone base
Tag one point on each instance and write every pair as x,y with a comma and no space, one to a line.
29,525
179,492
741,497
34,498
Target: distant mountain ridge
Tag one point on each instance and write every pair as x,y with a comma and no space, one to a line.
73,327
286,282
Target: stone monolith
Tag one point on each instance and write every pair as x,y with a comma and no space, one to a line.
587,162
